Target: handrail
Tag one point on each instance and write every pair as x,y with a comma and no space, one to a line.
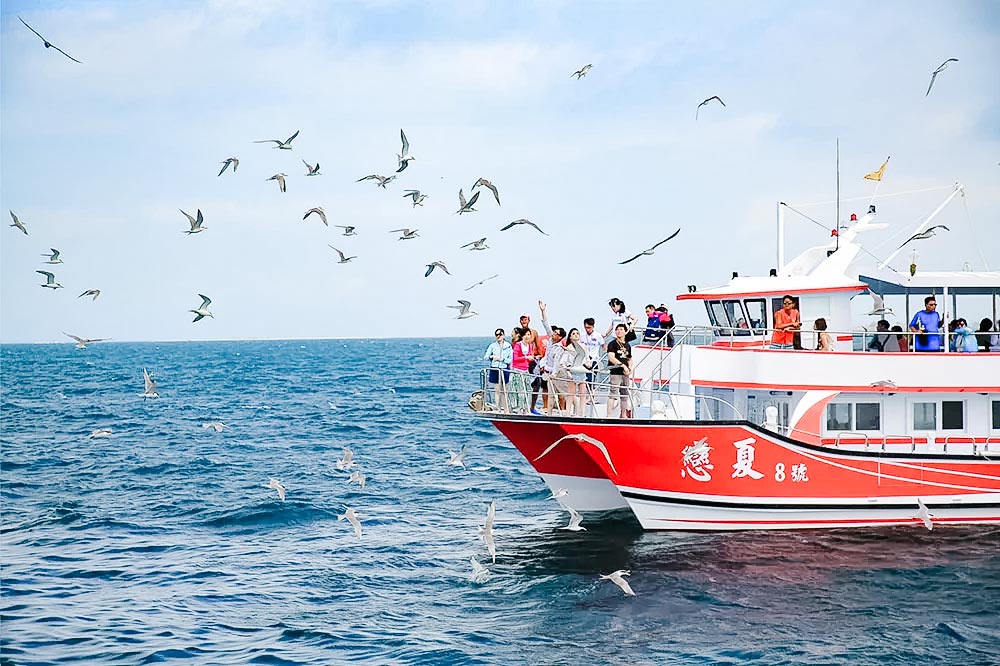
851,432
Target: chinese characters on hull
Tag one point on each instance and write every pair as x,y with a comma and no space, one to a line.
697,465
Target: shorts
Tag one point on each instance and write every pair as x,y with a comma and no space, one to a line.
539,383
578,377
777,346
494,377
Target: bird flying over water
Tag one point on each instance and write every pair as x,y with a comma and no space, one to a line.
312,170
435,264
352,518
479,572
925,234
715,97
81,343
574,520
418,198
580,437
382,181
346,460
582,72
100,433
53,257
483,281
91,292
879,308
476,245
343,259
214,426
404,156
457,459
348,230
493,188
943,66
358,478
406,234
464,309
523,221
486,531
47,43
50,280
280,177
196,223
275,484
649,251
924,515
466,206
617,577
202,310
150,385
319,211
18,223
283,145
229,160
562,492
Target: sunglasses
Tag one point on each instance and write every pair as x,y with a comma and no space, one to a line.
498,335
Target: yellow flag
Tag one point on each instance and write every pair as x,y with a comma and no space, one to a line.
877,175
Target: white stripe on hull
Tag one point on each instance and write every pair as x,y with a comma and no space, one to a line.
586,494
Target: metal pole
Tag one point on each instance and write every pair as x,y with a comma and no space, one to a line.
959,188
781,237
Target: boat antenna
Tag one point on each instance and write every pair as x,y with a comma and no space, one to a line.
836,225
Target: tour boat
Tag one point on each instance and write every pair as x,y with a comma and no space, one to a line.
726,433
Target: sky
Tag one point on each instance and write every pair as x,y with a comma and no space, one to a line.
97,158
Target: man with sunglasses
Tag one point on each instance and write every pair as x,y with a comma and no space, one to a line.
500,355
927,326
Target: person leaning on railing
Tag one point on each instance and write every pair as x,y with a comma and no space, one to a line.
500,355
786,324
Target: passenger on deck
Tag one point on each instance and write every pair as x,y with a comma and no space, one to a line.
652,333
902,343
595,345
522,342
823,340
550,363
577,361
927,325
984,334
620,315
881,337
965,338
786,323
620,369
667,323
500,355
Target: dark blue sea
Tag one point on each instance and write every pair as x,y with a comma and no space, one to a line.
162,543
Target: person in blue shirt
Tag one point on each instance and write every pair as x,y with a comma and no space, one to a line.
927,326
500,355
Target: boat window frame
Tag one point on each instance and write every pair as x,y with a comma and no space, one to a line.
963,415
994,415
761,327
742,314
712,316
913,415
852,416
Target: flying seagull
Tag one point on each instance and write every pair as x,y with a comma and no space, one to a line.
382,180
48,44
466,206
435,264
884,383
346,461
283,145
50,280
18,223
580,437
214,426
479,572
407,234
491,186
943,66
229,160
486,531
418,198
476,245
343,259
715,97
924,514
464,309
649,251
280,177
523,221
582,72
53,257
358,478
196,223
483,281
352,518
91,292
562,492
348,230
150,385
100,433
457,459
81,343
202,310
618,579
925,234
574,520
275,484
404,156
879,308
312,170
319,211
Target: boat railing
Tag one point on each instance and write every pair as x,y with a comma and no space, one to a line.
854,434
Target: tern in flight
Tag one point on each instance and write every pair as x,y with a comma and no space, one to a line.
486,531
618,579
50,280
479,572
283,145
879,308
352,518
346,461
343,259
464,309
582,72
524,221
466,206
435,264
229,160
348,230
574,520
418,198
319,211
202,310
924,515
214,426
91,292
562,492
150,385
483,281
18,223
493,188
404,156
651,250
943,66
476,245
925,234
81,343
715,97
405,234
312,170
280,177
196,223
100,433
275,484
457,459
358,478
53,257
382,181
47,43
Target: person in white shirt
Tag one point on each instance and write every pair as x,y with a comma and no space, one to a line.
551,363
594,344
619,315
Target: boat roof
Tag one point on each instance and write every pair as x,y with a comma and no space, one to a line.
957,282
762,287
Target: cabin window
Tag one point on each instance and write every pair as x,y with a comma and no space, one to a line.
757,313
952,415
736,315
996,414
925,416
838,416
717,313
868,416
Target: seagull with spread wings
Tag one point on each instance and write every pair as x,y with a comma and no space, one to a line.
18,223
202,311
715,97
312,170
404,156
280,177
319,212
523,221
53,256
382,180
418,198
483,281
466,206
582,72
464,309
283,145
343,259
617,577
50,280
943,66
47,43
196,222
91,292
229,161
925,234
435,264
476,245
348,230
493,188
649,251
150,385
405,234
81,343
